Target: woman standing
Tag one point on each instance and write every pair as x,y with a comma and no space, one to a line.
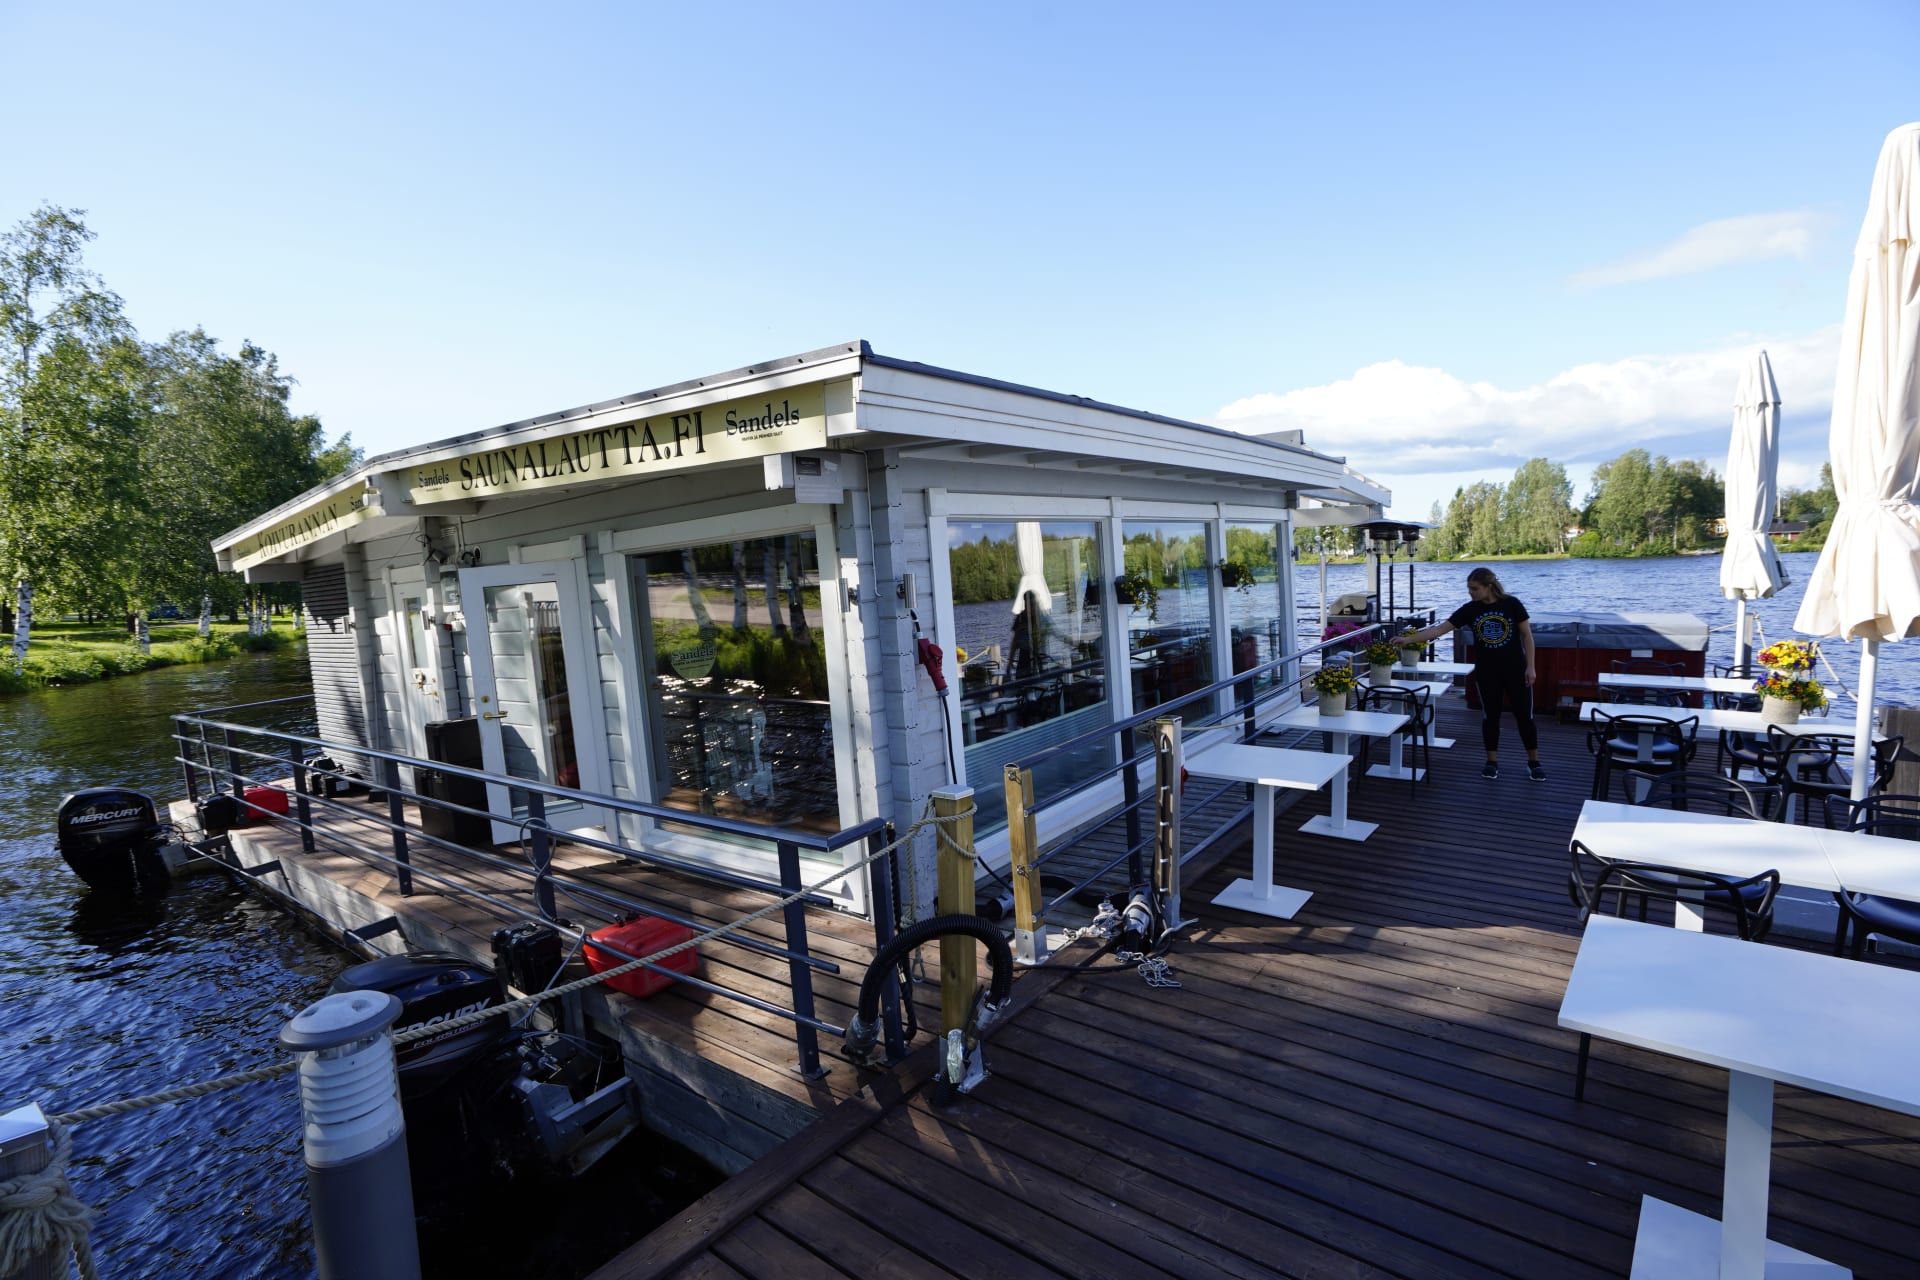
1502,664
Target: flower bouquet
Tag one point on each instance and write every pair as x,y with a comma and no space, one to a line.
1335,685
1381,655
1787,655
1783,695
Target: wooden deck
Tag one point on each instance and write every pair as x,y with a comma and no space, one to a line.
1376,1087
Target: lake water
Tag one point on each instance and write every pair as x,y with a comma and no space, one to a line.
1676,584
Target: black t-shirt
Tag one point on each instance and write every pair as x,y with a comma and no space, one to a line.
1495,629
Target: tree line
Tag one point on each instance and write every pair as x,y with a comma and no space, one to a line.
121,459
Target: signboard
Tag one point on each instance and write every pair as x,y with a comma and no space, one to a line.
309,524
776,423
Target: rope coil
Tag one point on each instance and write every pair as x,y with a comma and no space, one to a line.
40,1215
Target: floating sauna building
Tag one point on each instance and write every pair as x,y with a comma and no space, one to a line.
710,596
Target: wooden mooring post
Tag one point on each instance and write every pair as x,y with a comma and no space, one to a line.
959,965
1023,846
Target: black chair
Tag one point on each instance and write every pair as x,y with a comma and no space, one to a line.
1750,900
1615,740
1697,791
1748,701
1863,916
1808,766
1647,697
1417,706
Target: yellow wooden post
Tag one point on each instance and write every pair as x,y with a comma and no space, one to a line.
1023,846
959,968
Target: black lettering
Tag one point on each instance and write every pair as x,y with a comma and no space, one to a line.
647,441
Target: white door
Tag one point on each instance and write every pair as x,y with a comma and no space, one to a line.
416,644
533,682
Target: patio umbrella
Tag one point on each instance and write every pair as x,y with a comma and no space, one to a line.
1749,567
1033,576
1866,586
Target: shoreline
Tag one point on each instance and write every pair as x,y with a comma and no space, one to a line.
64,655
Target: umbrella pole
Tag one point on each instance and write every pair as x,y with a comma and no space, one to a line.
1742,646
1863,720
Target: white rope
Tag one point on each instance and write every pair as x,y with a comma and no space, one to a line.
40,1215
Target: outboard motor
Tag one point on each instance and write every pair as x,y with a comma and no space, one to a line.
434,987
112,837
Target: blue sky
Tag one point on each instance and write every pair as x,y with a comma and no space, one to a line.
1439,238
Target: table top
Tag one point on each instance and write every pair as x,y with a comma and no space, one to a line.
1373,724
1684,684
1266,766
1714,718
1812,857
1436,668
1817,1021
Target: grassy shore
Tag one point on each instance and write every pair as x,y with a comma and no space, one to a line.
64,653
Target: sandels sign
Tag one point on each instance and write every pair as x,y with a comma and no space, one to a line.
777,423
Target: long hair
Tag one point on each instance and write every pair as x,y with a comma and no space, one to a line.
1487,578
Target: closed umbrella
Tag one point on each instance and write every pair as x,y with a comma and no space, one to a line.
1866,586
1749,567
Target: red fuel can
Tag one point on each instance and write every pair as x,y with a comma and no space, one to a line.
641,936
264,802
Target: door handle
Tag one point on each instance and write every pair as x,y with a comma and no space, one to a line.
493,715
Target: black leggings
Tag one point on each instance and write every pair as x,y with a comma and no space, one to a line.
1510,687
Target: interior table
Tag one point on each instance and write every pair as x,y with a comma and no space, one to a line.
1822,1024
1269,769
1373,724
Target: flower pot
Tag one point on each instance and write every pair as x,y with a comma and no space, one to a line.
1381,674
1410,657
1333,704
1779,711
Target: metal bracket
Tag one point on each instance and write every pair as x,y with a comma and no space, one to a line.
374,930
268,868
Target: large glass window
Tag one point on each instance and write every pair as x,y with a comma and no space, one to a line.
1170,623
737,698
1033,669
1259,633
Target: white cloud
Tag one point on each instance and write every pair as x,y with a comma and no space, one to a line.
1401,419
1755,237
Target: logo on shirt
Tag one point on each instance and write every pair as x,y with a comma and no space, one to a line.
1492,629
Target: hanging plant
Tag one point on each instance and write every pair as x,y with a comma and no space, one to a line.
1235,576
1140,591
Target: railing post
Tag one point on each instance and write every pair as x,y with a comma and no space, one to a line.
302,807
1130,793
1029,926
798,974
186,759
959,963
1166,844
540,854
24,1139
881,899
397,815
226,760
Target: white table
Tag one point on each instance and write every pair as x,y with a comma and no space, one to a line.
1268,769
1432,668
1765,1014
1715,718
1810,857
1678,684
1368,724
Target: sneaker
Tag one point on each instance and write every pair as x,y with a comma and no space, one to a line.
1535,772
1490,770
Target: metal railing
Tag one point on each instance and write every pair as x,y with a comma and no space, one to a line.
1027,859
219,754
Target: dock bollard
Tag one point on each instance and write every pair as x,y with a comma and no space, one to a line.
358,1184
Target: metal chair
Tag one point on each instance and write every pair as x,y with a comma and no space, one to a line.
1418,708
1617,739
1750,899
1864,916
1808,765
1698,791
1648,697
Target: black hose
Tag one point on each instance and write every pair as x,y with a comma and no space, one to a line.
865,1027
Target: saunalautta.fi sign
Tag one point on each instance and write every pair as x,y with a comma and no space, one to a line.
777,423
309,524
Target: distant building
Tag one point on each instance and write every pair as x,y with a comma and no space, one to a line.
1787,530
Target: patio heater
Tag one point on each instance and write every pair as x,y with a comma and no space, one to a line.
1410,536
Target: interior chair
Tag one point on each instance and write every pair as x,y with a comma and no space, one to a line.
1647,697
1417,706
1700,791
1750,901
1808,767
1615,740
1862,916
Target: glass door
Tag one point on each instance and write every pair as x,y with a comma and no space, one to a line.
529,649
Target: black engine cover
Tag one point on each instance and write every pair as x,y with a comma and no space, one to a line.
434,987
111,837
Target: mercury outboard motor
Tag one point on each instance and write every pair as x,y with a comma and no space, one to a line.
112,837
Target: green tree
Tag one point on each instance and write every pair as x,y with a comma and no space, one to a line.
1537,507
1625,489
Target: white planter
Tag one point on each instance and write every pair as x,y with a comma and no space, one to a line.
1412,657
1333,704
1381,674
1779,711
